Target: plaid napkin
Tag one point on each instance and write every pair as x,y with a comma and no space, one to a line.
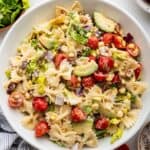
9,140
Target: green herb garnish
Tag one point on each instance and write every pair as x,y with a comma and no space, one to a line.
133,98
86,52
78,34
32,65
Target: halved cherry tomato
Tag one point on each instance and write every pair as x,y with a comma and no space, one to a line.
92,58
77,115
133,49
123,147
74,81
119,42
39,104
87,82
99,76
105,63
59,58
16,100
116,79
108,38
93,42
137,71
41,128
101,123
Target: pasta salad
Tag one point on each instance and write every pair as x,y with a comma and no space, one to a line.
76,79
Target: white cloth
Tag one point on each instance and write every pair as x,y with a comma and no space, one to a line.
9,140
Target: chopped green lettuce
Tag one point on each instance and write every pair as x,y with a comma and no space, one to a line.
32,65
75,30
86,52
133,98
74,18
87,109
78,34
34,43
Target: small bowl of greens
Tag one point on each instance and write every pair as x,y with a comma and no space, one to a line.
10,10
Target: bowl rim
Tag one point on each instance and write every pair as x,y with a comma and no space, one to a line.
41,4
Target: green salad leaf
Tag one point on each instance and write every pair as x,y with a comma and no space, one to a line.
75,30
15,14
87,109
10,10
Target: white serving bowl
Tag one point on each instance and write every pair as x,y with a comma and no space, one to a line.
44,12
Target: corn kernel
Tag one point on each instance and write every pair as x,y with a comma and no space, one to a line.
128,95
120,114
101,44
110,77
115,65
95,106
53,116
123,81
71,54
122,90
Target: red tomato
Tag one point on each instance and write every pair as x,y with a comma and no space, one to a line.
40,104
137,71
133,49
101,123
92,58
123,147
77,115
41,128
99,76
93,42
119,42
74,81
59,58
87,82
108,38
116,79
105,63
16,100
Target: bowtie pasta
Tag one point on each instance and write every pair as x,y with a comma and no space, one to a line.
77,79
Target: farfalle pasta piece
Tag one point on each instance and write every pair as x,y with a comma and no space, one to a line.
130,119
137,87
